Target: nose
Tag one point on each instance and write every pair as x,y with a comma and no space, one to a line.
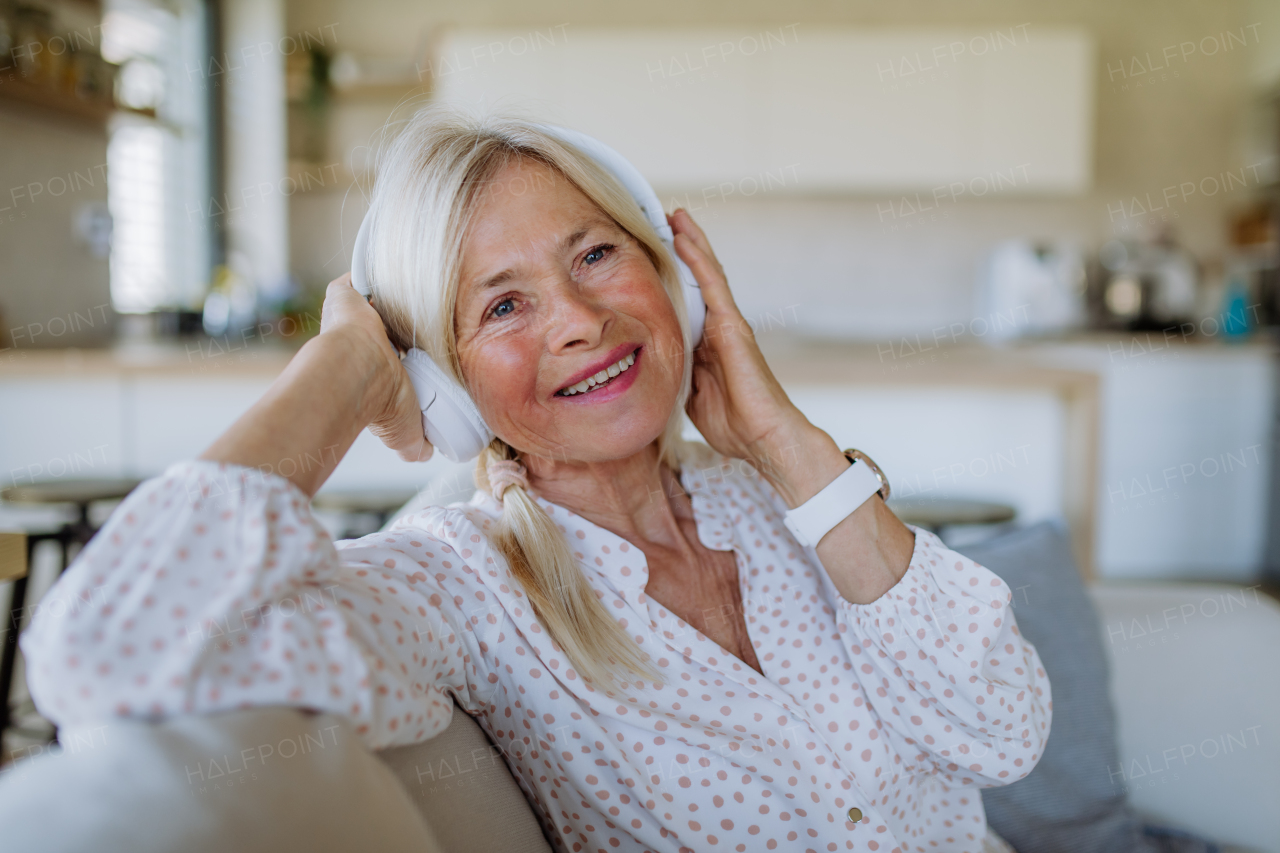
575,318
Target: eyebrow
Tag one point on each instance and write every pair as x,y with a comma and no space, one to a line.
507,274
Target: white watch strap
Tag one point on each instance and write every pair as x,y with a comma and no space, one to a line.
810,521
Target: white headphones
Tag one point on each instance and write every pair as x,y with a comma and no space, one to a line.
450,419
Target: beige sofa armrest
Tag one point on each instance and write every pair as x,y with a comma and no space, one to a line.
463,789
262,780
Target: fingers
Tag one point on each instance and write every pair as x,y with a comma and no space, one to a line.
406,438
694,249
682,222
420,450
709,275
422,453
340,283
343,306
402,433
339,291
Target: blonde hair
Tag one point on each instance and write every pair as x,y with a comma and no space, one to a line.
429,180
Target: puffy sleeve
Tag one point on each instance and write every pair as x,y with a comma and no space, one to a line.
945,667
212,587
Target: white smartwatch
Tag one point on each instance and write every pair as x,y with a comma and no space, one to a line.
814,518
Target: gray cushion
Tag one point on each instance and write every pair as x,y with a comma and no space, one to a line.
1069,802
262,780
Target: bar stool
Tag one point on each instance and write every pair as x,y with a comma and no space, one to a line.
356,507
80,493
937,513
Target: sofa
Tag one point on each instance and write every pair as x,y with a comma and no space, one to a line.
1166,720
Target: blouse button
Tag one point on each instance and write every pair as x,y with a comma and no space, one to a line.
855,814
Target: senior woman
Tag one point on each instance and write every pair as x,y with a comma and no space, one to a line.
662,664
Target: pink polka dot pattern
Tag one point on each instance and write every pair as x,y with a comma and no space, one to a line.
212,587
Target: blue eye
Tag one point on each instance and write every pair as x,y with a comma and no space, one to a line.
496,313
601,251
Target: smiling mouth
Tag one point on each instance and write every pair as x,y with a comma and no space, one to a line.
601,379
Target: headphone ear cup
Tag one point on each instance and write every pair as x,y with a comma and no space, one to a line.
693,301
360,260
450,419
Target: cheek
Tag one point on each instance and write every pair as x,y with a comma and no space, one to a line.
504,374
637,292
650,304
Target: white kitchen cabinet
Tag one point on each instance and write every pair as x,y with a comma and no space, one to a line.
936,442
790,108
175,417
984,444
74,427
99,415
1186,454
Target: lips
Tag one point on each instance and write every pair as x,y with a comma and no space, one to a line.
609,367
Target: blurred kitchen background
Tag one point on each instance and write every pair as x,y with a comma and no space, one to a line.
1024,255
1027,257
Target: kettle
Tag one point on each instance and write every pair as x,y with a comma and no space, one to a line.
1144,285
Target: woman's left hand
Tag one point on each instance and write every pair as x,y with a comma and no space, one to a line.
736,403
742,411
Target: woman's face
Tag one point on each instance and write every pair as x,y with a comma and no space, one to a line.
552,291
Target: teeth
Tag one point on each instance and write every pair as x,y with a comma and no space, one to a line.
603,376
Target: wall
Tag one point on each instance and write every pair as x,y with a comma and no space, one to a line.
1264,65
53,292
847,265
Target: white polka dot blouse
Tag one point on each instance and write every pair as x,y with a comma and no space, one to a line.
872,728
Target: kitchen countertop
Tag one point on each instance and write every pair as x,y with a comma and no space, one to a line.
805,361
200,356
1072,368
908,359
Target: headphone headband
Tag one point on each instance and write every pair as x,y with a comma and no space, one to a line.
626,174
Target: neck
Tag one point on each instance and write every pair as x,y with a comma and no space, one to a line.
638,497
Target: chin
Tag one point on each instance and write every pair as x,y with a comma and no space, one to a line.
619,445
620,437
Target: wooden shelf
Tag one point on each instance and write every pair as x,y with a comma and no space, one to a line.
54,100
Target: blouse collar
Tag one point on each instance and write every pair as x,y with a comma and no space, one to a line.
706,475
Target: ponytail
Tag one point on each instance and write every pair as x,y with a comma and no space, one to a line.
598,648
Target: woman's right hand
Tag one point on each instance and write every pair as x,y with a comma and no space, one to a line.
343,380
396,418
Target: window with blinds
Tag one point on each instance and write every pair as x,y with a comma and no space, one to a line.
158,176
